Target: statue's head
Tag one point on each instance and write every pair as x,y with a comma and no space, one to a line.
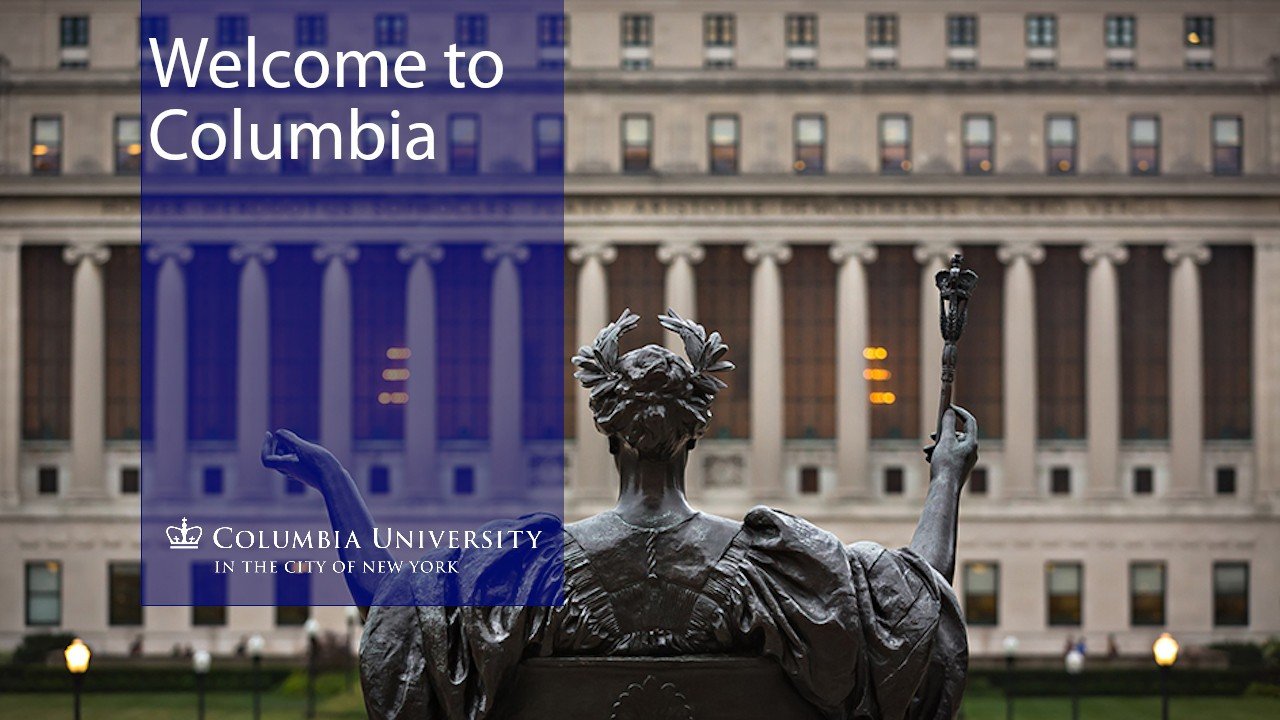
651,398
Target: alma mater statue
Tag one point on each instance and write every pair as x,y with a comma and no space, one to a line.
861,631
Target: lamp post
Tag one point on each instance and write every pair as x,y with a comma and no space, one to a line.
312,628
1165,650
1075,665
256,644
353,614
1010,652
77,655
200,662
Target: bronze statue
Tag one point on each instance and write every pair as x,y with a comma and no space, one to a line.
861,631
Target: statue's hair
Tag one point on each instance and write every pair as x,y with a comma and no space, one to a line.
650,397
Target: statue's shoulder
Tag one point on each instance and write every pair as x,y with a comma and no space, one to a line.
769,527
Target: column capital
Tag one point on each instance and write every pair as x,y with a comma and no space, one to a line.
601,252
1111,252
1196,252
96,253
159,253
497,252
692,252
242,253
409,253
345,253
929,252
1032,253
776,250
843,251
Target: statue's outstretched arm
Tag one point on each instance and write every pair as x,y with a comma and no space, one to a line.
315,466
949,466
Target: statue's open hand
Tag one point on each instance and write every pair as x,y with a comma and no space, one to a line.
306,462
955,453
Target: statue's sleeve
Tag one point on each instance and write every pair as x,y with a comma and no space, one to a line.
861,630
421,659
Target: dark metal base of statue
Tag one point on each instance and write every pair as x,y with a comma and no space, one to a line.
674,614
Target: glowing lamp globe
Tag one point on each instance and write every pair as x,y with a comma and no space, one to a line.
1165,650
77,655
1075,662
1010,646
200,661
311,627
256,645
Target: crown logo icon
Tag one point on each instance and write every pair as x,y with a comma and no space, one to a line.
184,537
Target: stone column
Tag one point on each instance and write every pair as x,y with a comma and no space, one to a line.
1186,370
853,410
1021,423
766,376
594,473
253,368
170,417
506,468
1102,367
421,434
933,258
88,371
1266,368
10,367
336,348
680,289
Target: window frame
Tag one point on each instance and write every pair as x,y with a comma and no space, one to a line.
711,144
1134,148
75,28
31,147
1237,149
719,30
968,36
882,30
1218,611
311,30
1054,167
540,166
904,165
455,167
115,136
1203,26
471,29
1118,32
801,30
28,593
1134,620
1045,33
390,30
648,145
132,620
994,620
799,162
232,30
1057,621
966,146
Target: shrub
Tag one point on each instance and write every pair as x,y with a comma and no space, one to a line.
36,649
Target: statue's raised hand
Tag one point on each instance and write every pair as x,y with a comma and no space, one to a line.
306,462
955,453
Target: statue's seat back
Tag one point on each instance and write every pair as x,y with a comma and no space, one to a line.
676,688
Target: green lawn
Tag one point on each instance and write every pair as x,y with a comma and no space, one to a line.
347,706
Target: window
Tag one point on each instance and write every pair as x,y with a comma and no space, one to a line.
464,480
295,160
390,29
471,29
208,596
553,40
637,143
978,136
979,483
312,31
718,40
1144,145
981,593
211,142
895,144
153,26
894,481
723,136
1143,481
379,480
73,42
1121,31
882,31
1231,594
1064,583
211,480
962,31
809,480
1060,143
1224,480
293,594
233,30
802,41
47,480
381,163
46,145
130,481
1228,133
1146,593
128,133
1042,31
44,592
637,41
811,144
548,137
1060,481
1199,31
464,144
124,601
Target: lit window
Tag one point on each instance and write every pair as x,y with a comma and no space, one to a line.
882,30
723,135
1228,144
981,593
293,597
124,591
128,139
962,31
548,135
802,41
811,144
1144,145
471,29
1042,31
390,30
637,143
895,144
637,39
1121,31
1199,31
208,596
1231,594
289,164
46,145
1146,594
719,35
1060,143
979,144
44,592
382,163
153,26
312,31
1064,584
212,143
233,30
464,144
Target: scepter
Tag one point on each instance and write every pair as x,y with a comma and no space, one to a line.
955,284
